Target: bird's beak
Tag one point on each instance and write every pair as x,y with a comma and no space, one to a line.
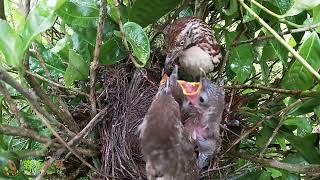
190,90
171,57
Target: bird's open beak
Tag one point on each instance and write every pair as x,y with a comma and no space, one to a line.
190,90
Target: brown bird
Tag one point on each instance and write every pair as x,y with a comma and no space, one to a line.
169,155
191,40
203,115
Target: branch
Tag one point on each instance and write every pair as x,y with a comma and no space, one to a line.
295,168
45,98
123,37
12,105
199,8
23,132
290,31
95,63
301,93
283,42
257,124
77,91
45,117
73,141
279,17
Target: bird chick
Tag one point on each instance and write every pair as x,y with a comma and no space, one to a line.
190,40
164,144
202,122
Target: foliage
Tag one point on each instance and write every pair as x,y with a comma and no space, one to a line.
279,96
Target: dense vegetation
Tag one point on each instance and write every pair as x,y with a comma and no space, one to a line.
53,53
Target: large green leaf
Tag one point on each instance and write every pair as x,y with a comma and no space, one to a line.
301,5
80,13
305,146
139,42
298,77
145,12
112,51
40,19
77,69
10,44
241,58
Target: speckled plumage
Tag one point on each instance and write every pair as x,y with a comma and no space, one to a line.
181,38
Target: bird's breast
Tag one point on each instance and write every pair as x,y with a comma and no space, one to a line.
194,59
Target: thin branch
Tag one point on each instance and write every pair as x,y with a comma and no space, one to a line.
310,169
274,133
45,98
23,132
41,60
95,63
290,31
300,93
279,17
74,90
45,117
74,141
12,105
282,41
199,8
257,124
123,36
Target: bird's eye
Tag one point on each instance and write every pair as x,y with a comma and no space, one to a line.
201,99
182,43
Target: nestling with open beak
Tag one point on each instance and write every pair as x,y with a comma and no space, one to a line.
168,153
203,114
190,40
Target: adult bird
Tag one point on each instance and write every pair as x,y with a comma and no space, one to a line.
203,114
169,155
190,40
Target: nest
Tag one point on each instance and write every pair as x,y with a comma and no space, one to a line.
129,95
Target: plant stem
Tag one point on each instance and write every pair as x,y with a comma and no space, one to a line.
283,42
280,17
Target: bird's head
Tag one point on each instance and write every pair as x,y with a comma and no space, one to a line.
207,97
178,37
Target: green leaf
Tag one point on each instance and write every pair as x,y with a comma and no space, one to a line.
316,16
298,77
10,44
112,12
139,42
113,51
77,69
241,59
263,136
274,172
305,107
301,122
232,8
79,13
249,17
301,5
40,19
305,146
145,12
265,175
